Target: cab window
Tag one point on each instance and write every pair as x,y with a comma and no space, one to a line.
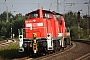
57,17
33,15
60,22
47,15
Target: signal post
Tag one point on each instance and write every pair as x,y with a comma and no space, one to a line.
78,16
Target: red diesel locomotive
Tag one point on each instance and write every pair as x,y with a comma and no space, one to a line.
44,32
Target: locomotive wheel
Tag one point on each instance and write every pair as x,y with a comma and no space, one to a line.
62,48
69,41
48,52
59,49
53,51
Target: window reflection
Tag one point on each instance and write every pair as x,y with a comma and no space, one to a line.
47,15
57,17
34,15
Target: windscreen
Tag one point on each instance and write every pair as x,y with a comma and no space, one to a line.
34,14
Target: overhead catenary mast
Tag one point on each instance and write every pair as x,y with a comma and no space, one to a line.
38,5
7,13
89,9
89,16
57,5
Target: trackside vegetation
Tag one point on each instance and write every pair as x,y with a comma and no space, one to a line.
10,52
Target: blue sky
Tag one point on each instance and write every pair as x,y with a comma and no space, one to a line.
26,6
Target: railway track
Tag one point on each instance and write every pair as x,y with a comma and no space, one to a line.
80,50
41,57
54,54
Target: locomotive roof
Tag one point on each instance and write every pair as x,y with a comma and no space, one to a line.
53,12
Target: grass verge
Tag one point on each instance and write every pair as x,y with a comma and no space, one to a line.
10,52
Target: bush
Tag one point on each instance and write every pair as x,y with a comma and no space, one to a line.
1,39
74,32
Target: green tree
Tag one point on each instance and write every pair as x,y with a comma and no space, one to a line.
18,24
2,24
70,19
3,31
8,27
74,32
72,22
3,16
